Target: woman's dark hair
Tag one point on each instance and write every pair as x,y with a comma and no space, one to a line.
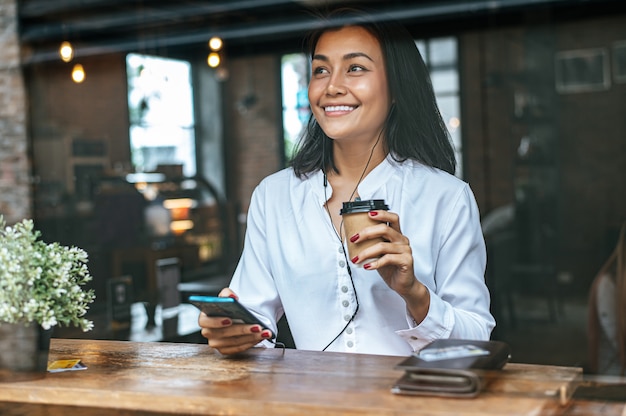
414,128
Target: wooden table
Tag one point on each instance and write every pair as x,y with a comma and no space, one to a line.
143,378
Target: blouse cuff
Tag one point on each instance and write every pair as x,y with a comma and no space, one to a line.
438,324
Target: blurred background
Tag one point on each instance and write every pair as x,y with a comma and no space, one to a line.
137,130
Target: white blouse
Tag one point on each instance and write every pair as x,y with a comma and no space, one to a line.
293,263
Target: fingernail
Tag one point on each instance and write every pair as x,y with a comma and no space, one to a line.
232,295
226,322
255,329
373,213
367,266
354,238
355,259
266,334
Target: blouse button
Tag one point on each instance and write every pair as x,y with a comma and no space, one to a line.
350,344
349,331
340,249
344,289
345,303
346,318
342,263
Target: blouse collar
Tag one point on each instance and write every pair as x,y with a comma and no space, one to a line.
374,181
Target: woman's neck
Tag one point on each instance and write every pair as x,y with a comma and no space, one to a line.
353,163
352,166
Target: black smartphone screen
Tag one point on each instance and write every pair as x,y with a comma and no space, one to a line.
227,307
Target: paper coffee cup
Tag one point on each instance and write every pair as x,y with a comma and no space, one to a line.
355,219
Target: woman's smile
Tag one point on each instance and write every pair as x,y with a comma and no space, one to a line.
338,109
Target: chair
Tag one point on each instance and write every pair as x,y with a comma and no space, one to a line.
510,276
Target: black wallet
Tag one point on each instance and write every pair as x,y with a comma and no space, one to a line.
452,367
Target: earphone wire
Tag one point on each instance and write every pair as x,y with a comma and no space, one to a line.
338,234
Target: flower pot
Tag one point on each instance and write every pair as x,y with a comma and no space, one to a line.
24,347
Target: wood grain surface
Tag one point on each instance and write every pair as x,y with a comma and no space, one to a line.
126,378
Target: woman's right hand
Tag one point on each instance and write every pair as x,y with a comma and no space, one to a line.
228,337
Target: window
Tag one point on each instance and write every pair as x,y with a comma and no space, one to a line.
441,57
296,111
160,103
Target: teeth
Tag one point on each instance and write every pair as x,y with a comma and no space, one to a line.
339,108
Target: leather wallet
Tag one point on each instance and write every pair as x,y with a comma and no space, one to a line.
452,367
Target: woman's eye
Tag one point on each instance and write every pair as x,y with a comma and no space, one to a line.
356,68
319,71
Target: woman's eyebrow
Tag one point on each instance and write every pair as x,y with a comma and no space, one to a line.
346,57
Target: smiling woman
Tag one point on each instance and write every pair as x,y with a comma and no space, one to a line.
375,134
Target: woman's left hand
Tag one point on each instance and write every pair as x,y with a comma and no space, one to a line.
395,261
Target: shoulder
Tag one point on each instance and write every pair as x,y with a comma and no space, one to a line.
281,184
428,178
433,190
281,180
283,176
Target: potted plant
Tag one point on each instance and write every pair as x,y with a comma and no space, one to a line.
40,287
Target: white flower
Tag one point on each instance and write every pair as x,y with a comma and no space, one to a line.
42,282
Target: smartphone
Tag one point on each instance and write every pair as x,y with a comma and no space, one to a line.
228,307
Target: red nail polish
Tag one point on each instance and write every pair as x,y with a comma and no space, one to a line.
354,238
367,266
226,322
355,259
255,329
232,295
266,334
373,213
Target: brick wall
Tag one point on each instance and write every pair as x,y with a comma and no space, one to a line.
15,195
487,59
253,134
95,109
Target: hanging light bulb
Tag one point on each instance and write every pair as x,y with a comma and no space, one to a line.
214,60
215,43
66,51
78,73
